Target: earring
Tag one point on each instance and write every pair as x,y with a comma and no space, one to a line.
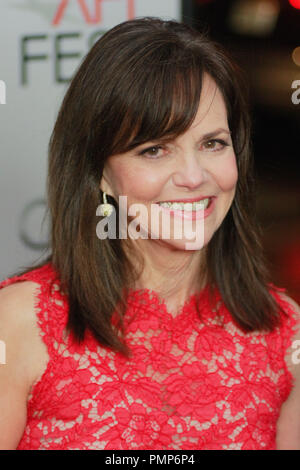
106,209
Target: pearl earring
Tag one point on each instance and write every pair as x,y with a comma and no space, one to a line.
106,209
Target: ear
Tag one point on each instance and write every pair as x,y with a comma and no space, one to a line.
105,186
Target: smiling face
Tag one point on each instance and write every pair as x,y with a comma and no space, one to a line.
198,164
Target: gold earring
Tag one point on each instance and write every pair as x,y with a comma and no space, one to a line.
106,209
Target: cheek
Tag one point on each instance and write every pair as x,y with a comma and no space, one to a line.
138,183
226,173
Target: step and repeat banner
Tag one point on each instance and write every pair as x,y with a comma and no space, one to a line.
42,42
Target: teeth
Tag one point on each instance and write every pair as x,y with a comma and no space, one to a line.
186,206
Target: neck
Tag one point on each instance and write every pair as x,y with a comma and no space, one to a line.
174,274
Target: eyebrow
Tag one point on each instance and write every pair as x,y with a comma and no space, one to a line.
209,135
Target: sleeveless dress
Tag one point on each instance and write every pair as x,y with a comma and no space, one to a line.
192,383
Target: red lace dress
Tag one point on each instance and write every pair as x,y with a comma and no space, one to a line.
191,383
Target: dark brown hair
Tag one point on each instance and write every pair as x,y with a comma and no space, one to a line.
142,81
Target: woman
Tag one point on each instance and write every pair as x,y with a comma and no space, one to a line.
150,341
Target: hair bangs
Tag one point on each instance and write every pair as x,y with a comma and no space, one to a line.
160,104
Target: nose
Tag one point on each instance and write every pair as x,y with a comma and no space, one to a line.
190,172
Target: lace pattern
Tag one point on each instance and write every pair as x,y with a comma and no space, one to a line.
192,383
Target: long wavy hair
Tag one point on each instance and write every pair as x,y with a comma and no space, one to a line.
142,81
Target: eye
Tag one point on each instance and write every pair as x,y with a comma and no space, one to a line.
212,147
152,152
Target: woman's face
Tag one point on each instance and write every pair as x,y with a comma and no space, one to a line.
192,166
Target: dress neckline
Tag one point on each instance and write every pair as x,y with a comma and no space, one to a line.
151,300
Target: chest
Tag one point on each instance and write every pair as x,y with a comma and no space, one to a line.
182,388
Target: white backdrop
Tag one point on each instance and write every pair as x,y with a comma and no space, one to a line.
42,42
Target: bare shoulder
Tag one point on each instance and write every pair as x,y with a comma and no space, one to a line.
20,331
25,360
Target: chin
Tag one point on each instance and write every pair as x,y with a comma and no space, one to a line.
185,244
